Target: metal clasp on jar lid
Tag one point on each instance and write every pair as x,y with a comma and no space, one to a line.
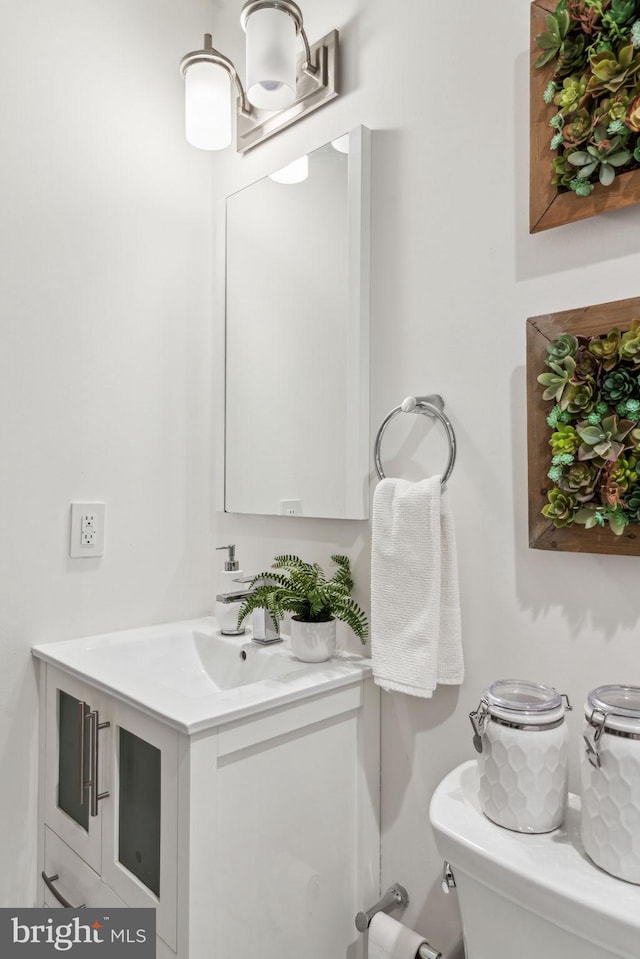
597,721
479,718
514,716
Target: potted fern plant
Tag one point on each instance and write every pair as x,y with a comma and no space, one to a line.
315,602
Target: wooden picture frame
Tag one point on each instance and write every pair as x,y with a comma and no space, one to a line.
587,321
547,206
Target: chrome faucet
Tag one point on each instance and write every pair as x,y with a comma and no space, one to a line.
228,607
264,628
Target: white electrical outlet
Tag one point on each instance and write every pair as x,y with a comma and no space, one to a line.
290,507
87,530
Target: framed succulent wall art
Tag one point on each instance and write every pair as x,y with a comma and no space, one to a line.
585,109
583,412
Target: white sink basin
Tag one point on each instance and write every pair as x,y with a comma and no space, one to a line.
191,676
194,662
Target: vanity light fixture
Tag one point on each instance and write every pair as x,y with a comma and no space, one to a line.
282,86
208,97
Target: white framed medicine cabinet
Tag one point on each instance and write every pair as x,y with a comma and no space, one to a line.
293,339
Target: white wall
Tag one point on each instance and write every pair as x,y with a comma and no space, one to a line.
105,304
105,277
455,274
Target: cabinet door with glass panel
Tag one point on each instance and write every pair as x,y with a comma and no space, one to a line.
76,783
111,793
140,824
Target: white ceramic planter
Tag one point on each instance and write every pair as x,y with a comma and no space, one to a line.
313,642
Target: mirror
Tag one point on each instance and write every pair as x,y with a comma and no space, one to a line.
296,426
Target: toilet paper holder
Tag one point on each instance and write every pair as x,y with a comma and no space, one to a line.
396,897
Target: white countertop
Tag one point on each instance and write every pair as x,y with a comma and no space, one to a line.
170,672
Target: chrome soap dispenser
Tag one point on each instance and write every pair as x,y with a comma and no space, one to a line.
230,571
232,593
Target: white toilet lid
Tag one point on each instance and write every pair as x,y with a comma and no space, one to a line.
549,874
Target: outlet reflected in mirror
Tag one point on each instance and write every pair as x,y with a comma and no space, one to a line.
296,427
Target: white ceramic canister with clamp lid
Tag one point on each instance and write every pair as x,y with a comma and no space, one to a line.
521,737
610,774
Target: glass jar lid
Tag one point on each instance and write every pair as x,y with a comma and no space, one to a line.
522,696
617,700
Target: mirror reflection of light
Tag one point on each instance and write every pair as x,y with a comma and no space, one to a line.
294,172
341,144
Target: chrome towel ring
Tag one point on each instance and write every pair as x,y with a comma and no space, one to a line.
431,405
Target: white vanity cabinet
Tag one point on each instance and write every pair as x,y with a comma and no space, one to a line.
110,797
251,826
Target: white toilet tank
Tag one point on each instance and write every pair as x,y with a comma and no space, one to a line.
530,896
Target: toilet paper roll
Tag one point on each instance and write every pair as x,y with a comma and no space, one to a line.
389,939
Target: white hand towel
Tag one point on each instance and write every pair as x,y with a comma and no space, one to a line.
415,606
389,939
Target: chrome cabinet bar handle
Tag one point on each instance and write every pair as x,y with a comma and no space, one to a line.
80,757
49,883
96,726
81,780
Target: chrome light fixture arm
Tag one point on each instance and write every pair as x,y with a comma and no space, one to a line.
210,55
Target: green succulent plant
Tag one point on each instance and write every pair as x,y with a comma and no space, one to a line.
620,14
630,409
603,159
605,441
581,397
571,93
581,187
594,87
624,472
633,439
617,385
293,586
592,515
630,344
612,69
618,520
560,508
550,42
605,348
615,107
632,502
580,479
595,423
587,366
564,440
577,128
558,380
563,172
558,349
571,55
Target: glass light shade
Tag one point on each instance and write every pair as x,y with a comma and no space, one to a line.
207,106
294,172
271,59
